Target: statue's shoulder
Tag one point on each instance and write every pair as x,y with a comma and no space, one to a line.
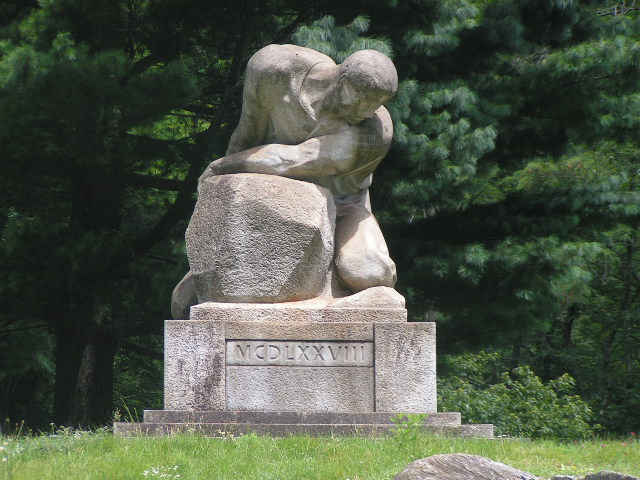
274,59
379,126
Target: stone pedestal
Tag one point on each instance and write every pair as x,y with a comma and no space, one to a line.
295,368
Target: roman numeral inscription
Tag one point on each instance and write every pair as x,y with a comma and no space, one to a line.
299,353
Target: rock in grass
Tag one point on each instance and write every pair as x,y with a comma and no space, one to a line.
607,475
603,475
461,466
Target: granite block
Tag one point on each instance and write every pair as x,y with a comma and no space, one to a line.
194,373
274,388
299,331
405,367
294,312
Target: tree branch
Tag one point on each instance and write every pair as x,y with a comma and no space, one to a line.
184,203
618,9
148,181
13,330
147,352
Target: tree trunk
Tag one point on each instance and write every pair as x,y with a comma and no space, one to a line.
567,325
84,377
514,360
627,297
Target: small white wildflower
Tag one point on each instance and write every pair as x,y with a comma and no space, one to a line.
161,472
5,459
2,448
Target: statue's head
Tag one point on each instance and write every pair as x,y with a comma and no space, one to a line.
368,79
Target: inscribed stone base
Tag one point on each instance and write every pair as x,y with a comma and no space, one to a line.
360,363
285,369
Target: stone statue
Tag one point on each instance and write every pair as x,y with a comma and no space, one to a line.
288,321
306,118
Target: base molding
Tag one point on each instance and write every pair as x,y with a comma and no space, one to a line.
226,423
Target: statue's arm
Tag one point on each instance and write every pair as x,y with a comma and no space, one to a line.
254,117
326,155
252,127
317,157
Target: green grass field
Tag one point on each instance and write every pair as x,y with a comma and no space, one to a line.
79,455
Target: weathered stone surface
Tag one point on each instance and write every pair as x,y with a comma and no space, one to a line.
326,125
294,312
406,367
300,366
194,376
439,419
374,297
460,466
280,429
288,423
362,257
603,475
184,295
260,238
337,389
350,332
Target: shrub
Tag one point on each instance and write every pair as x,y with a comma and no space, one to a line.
519,403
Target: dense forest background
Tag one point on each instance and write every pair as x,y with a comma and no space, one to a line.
510,198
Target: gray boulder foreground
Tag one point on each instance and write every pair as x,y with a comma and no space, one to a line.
461,466
607,475
260,239
603,475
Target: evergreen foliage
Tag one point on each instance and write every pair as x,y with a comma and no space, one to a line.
108,115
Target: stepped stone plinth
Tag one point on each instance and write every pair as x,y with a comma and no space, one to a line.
283,369
288,321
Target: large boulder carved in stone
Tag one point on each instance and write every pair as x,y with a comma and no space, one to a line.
461,466
260,238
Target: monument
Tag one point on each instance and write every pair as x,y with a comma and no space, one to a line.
288,321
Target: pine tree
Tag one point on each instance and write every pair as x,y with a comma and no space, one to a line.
495,212
109,112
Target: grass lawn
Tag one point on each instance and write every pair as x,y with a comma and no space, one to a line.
100,455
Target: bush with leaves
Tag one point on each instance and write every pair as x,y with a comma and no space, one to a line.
518,403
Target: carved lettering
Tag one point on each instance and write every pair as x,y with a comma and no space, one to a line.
289,356
299,353
334,354
318,350
274,352
303,352
244,352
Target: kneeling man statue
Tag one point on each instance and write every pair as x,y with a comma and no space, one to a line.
306,118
